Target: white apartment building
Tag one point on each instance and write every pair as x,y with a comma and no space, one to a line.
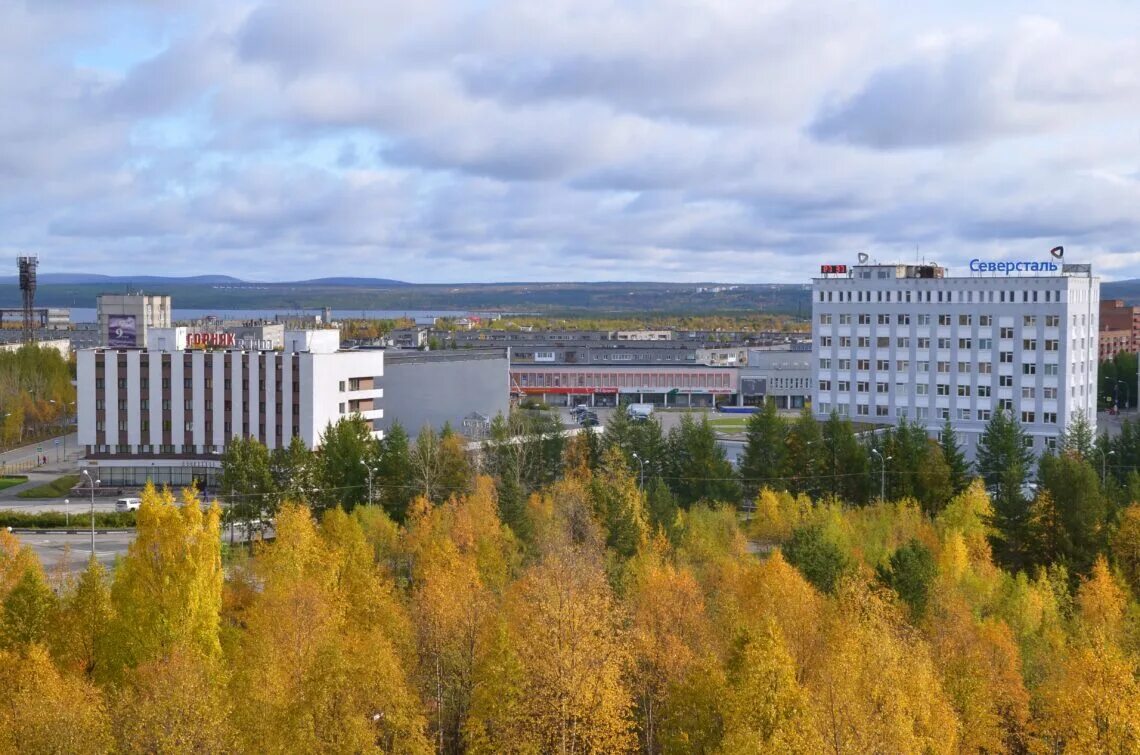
909,341
166,412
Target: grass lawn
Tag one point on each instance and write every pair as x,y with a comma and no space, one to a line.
57,488
10,480
730,424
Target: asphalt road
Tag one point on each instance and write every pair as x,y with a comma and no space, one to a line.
54,547
77,505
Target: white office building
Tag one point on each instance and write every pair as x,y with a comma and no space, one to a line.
910,341
167,412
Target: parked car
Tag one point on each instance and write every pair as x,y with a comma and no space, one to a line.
128,504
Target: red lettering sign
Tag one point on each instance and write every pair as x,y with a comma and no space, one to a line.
211,339
829,269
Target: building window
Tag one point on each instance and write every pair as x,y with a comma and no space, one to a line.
965,414
965,367
864,319
341,406
985,344
1005,381
943,389
985,415
963,390
1006,357
1029,369
1029,344
1029,321
983,391
904,319
943,319
861,409
862,386
880,411
884,319
1028,417
966,319
985,321
1052,321
825,319
340,387
965,343
1006,333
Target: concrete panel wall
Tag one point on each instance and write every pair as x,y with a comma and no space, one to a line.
418,393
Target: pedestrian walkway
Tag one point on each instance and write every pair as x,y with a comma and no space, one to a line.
27,460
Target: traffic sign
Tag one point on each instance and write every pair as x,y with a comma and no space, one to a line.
39,449
55,442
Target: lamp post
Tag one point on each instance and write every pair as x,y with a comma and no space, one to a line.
66,512
369,470
882,473
91,483
1104,465
641,471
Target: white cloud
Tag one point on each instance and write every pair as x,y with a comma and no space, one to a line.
571,139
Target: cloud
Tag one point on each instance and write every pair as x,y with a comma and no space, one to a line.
452,140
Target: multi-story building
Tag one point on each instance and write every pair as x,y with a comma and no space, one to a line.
783,376
1119,329
167,412
894,342
124,319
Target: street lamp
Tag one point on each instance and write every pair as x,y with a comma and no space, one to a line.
641,471
66,513
1103,464
882,474
369,469
91,483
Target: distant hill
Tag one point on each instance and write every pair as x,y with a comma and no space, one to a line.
1128,290
118,280
353,282
349,293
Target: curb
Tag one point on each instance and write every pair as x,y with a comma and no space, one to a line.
61,531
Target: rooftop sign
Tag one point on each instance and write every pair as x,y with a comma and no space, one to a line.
1018,266
211,339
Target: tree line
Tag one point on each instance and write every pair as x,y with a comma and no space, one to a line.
36,393
563,595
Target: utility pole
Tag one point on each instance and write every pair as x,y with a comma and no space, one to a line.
91,483
882,474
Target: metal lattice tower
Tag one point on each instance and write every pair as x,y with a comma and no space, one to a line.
27,267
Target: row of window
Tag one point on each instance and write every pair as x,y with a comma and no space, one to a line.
923,342
945,297
941,389
942,413
945,320
942,367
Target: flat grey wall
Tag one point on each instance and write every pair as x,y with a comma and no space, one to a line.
437,391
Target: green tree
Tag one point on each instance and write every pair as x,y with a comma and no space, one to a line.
910,572
803,461
818,558
348,450
955,458
393,476
295,471
844,460
1078,437
619,505
932,480
1004,461
699,470
762,462
1069,524
247,478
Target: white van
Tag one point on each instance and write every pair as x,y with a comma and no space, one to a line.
128,504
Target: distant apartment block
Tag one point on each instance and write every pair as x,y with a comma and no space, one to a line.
1119,329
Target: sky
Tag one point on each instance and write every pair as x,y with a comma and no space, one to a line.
473,140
